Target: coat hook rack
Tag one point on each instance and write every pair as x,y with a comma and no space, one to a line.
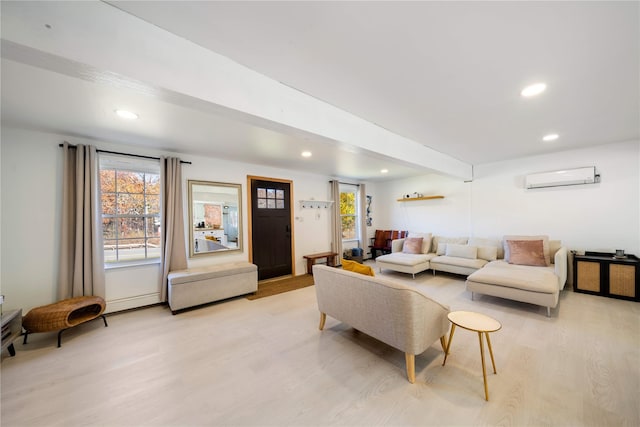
315,204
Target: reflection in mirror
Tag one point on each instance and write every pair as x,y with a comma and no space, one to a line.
215,215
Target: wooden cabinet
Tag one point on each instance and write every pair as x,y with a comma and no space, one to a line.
603,274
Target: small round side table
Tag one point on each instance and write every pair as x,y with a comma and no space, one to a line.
481,324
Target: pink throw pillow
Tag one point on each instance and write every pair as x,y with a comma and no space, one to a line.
412,245
527,252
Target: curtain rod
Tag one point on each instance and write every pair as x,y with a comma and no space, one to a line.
340,182
127,154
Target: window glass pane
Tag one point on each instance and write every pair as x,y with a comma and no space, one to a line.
108,203
108,181
130,182
152,183
130,251
153,204
110,253
108,229
131,228
130,204
153,248
348,227
153,227
347,203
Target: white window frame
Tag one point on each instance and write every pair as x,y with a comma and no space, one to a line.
124,163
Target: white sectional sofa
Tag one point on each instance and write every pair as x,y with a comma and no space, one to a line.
488,266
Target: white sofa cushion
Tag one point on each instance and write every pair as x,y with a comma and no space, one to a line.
438,244
404,259
487,243
459,262
461,251
489,253
501,273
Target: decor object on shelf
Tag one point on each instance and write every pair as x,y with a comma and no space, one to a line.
63,315
413,199
396,314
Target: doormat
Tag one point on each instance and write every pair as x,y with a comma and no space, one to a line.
280,286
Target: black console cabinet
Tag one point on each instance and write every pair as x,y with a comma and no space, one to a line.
603,274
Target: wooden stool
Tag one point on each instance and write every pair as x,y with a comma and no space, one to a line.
63,315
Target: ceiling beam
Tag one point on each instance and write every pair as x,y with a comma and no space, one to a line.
108,39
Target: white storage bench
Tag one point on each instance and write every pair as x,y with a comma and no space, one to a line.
202,285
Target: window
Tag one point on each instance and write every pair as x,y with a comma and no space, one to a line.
349,211
130,200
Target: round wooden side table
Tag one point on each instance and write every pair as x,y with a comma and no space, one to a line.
481,324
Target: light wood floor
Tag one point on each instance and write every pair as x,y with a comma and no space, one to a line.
265,362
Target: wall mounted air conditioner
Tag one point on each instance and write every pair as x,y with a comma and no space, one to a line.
559,178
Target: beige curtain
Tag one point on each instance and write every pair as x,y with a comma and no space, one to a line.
362,197
174,255
81,251
336,220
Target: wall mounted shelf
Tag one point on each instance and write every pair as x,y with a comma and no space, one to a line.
315,204
414,199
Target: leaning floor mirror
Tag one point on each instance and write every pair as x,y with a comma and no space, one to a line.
215,217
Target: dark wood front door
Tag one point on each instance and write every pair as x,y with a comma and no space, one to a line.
271,227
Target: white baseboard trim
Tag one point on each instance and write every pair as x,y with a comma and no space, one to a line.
132,302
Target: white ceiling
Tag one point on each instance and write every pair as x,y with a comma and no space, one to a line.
444,74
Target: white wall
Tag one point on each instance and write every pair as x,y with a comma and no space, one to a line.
599,217
31,197
449,216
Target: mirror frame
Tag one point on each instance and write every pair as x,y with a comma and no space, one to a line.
191,183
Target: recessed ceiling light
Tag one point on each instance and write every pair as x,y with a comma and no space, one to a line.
533,90
126,114
306,154
384,170
550,137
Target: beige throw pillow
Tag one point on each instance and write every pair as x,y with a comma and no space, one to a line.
412,245
526,252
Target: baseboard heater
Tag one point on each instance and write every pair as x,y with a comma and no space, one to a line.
578,176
